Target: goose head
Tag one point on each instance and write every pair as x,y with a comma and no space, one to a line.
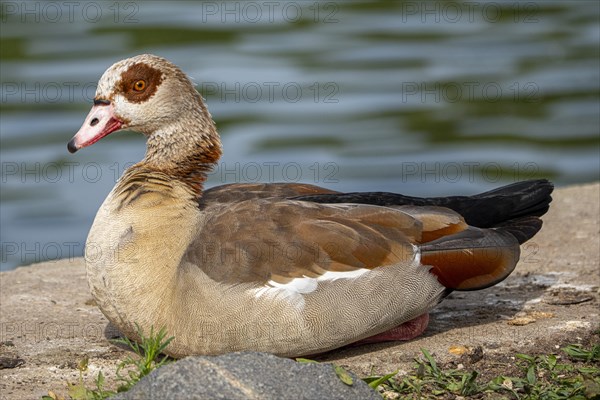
147,94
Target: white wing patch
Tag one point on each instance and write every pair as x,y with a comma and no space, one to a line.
294,290
306,284
417,257
297,285
333,275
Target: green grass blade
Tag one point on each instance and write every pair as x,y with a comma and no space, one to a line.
378,380
343,375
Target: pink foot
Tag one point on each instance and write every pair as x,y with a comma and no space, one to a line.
407,331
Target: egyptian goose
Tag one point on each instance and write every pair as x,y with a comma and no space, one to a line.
290,269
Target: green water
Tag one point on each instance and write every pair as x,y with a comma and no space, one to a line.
420,98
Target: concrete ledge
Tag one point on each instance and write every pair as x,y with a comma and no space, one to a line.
48,320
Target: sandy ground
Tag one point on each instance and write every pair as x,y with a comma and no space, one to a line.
48,320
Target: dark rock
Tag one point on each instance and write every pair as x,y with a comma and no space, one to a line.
11,362
246,376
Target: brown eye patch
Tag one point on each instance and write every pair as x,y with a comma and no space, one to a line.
139,82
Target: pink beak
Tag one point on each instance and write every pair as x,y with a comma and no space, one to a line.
100,122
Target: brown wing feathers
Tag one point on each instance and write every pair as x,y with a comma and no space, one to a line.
463,257
436,222
291,239
472,259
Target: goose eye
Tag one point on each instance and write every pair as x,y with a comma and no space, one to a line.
139,85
